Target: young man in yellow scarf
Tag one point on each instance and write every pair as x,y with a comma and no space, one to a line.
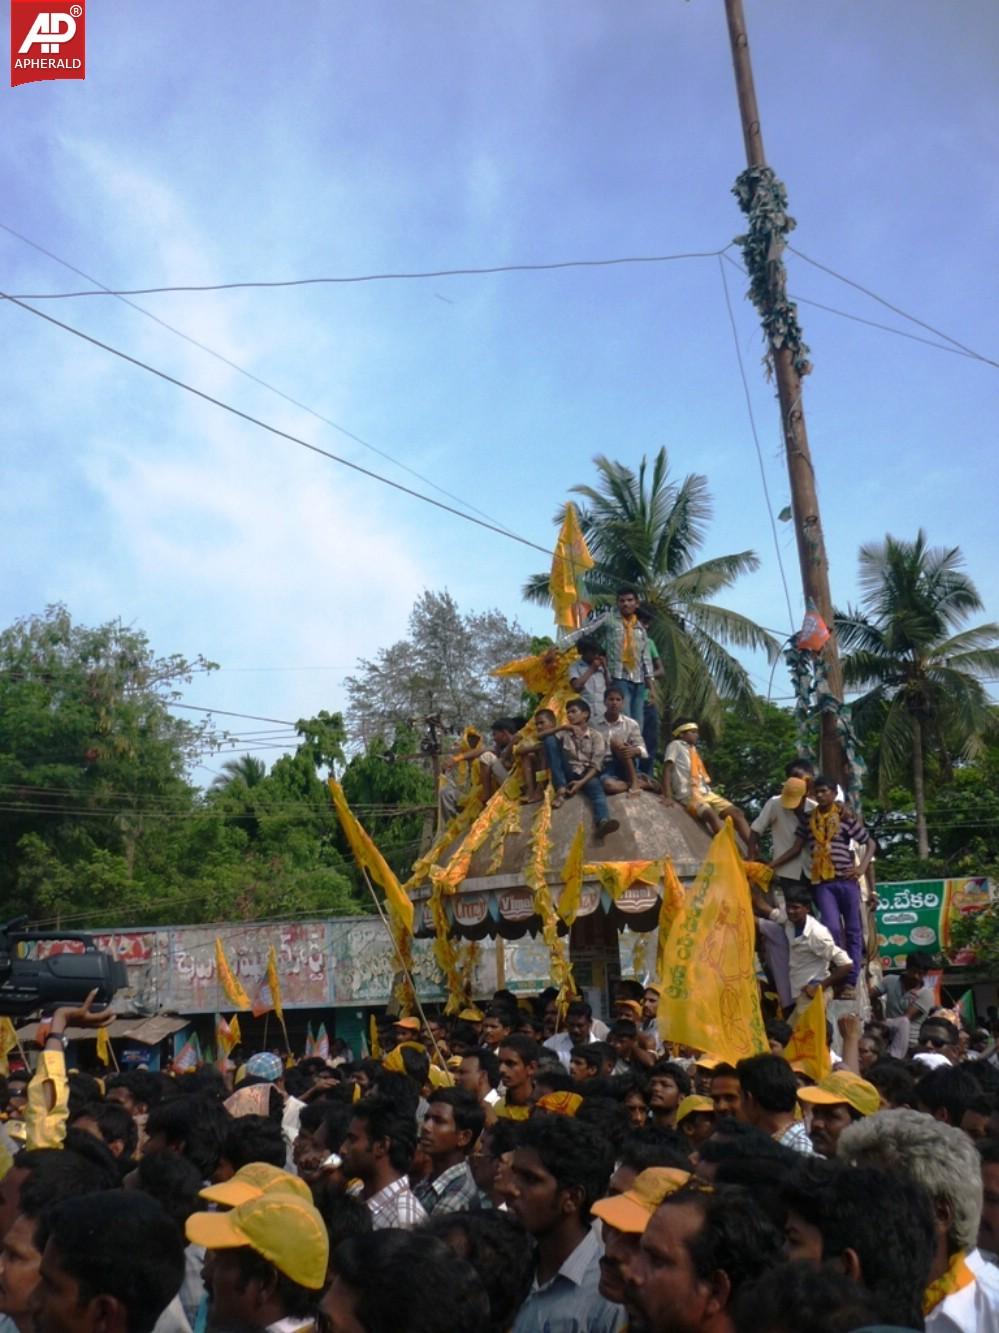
687,782
829,832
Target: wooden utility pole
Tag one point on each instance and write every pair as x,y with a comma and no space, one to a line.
804,496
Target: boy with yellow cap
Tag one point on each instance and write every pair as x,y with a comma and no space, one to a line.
835,1103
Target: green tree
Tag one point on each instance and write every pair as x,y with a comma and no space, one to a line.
89,750
441,667
747,759
645,529
921,673
394,798
246,771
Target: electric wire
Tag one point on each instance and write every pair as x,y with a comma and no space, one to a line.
756,441
483,271
273,430
295,402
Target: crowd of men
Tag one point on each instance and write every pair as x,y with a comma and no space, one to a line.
501,1171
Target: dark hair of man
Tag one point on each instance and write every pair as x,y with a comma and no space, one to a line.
119,1243
985,1074
627,988
504,1013
554,1078
499,1250
623,1027
382,1119
988,1151
443,1292
579,1009
581,704
623,1085
918,962
589,1053
645,614
141,1084
488,1063
254,1138
949,1088
670,1069
98,1154
763,1178
654,1146
343,1215
606,1115
894,1260
724,1070
795,1296
174,1183
502,1136
613,689
503,724
894,1080
57,1174
769,1079
574,1152
400,1090
333,1116
799,897
779,1031
195,1126
114,1124
416,1064
732,1138
735,1236
626,589
526,1047
464,1034
944,1024
468,1114
545,713
84,1090
205,1082
794,767
824,780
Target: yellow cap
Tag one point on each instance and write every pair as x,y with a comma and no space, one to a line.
471,1015
411,1024
632,1006
842,1087
792,792
694,1105
559,1103
440,1078
283,1229
632,1210
655,986
393,1061
253,1180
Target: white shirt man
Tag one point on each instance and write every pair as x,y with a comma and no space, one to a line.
779,817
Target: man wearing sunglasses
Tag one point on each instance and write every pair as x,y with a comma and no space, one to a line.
938,1036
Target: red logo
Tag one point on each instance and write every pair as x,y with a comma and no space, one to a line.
47,41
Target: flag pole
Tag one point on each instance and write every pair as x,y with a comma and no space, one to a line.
402,963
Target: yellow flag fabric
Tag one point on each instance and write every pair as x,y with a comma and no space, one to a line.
224,1038
572,878
374,1045
616,876
570,562
8,1040
274,984
669,910
231,986
808,1046
368,856
104,1047
710,998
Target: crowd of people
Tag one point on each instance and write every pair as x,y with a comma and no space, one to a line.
505,1172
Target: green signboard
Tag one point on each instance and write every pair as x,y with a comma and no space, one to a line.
915,916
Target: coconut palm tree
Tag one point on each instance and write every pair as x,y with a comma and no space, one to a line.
645,529
920,671
246,771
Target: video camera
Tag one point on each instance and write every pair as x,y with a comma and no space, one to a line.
28,982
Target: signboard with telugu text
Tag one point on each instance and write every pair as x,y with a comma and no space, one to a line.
915,916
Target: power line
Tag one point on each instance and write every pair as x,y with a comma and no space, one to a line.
273,430
225,712
756,442
894,308
362,278
295,402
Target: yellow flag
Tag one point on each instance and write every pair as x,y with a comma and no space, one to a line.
710,999
572,878
233,988
374,1045
669,909
104,1047
570,562
234,1031
8,1040
274,984
368,856
808,1045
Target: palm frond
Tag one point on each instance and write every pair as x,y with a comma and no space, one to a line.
710,577
731,627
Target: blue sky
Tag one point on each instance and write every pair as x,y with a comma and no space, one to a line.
225,143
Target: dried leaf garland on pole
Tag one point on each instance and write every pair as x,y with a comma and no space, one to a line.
535,877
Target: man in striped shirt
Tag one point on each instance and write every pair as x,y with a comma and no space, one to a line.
829,832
